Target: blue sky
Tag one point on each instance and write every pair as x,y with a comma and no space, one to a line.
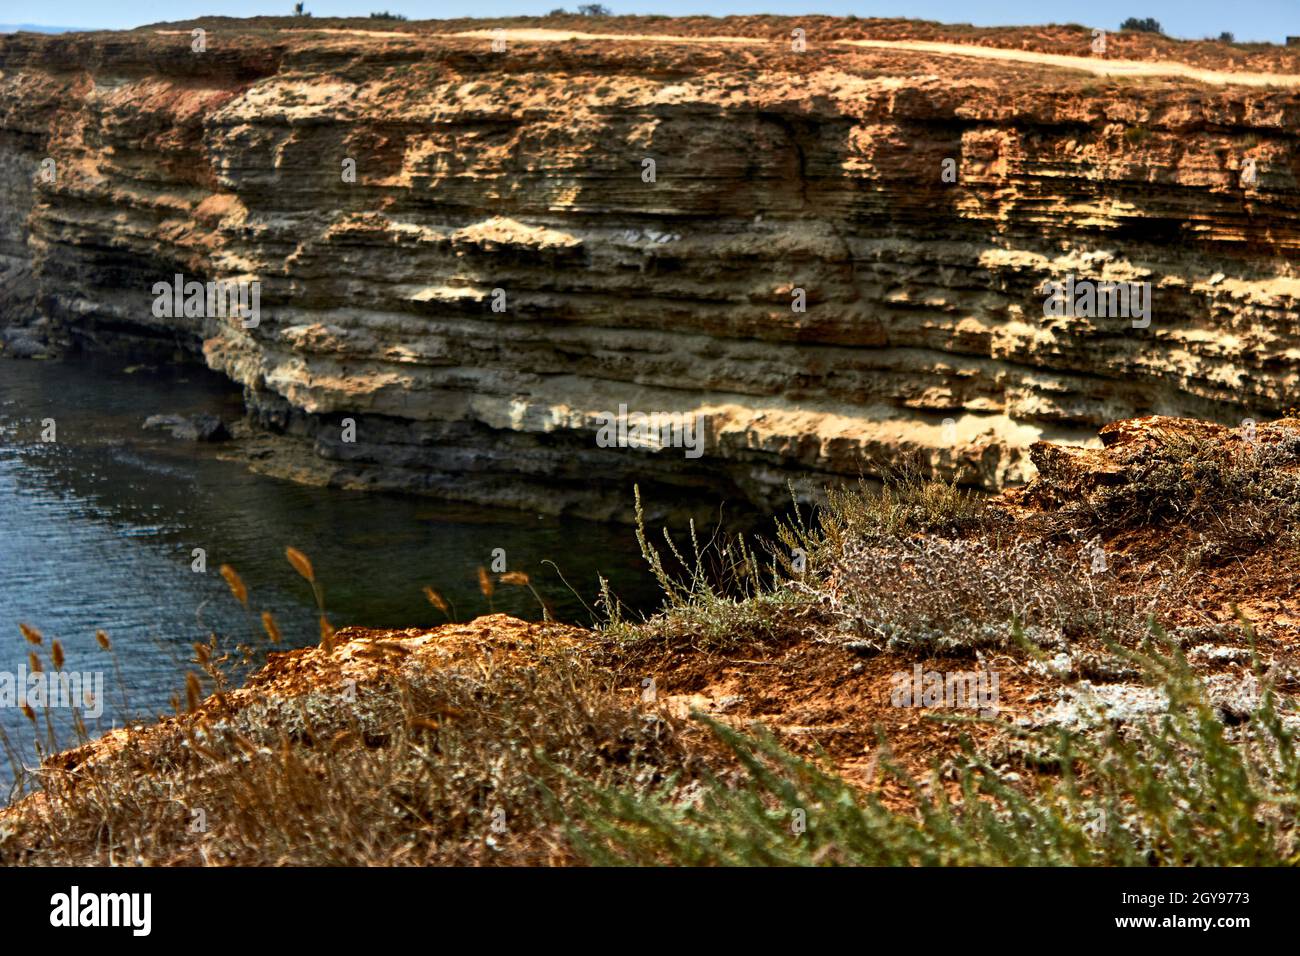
1247,19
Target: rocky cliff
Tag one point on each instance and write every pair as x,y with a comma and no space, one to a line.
837,256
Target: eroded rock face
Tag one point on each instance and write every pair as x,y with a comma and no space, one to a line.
775,171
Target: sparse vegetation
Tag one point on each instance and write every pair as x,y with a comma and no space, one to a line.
1219,497
930,595
907,501
547,752
1180,788
1142,25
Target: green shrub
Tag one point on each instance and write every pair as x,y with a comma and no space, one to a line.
1142,25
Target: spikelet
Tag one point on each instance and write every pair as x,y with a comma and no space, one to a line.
269,625
56,654
326,634
103,640
236,584
34,663
33,636
301,564
485,582
517,578
437,600
192,691
201,653
29,713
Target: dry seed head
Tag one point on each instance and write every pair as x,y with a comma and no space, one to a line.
485,582
33,636
192,691
34,663
301,564
56,654
269,625
436,600
29,713
103,640
236,584
517,578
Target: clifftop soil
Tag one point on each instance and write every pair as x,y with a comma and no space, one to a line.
499,271
1053,39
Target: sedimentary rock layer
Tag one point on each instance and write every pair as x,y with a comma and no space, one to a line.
516,178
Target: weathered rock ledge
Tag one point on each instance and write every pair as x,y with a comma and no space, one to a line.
776,171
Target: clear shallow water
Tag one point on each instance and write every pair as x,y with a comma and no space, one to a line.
97,531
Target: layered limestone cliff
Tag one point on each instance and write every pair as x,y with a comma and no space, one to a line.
503,267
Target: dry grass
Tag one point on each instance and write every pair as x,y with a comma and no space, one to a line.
955,597
1212,499
425,767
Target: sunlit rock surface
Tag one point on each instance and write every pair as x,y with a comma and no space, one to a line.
775,171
